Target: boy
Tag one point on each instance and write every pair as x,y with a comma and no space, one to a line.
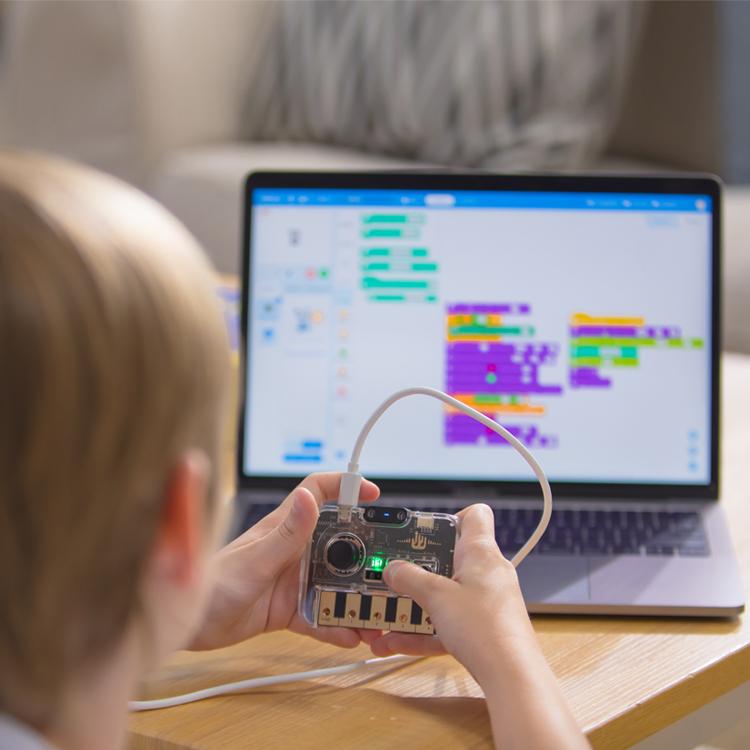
113,395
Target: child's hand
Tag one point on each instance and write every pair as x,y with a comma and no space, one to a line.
480,618
477,613
257,576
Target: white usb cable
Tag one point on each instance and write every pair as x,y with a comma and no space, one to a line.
348,498
352,479
259,682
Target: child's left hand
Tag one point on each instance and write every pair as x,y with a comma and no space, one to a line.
257,575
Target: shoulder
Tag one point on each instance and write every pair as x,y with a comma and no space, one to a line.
20,737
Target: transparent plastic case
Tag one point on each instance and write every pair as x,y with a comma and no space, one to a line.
341,577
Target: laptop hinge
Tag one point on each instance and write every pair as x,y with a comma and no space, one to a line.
472,492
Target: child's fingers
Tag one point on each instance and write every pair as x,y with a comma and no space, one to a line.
476,549
325,487
411,580
284,542
406,643
368,636
341,637
477,522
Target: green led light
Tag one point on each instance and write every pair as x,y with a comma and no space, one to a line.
377,563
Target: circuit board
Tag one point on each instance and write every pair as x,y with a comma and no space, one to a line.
342,575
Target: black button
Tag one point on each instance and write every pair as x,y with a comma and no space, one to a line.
339,608
343,554
365,607
390,609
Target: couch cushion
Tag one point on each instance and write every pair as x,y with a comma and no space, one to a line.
203,187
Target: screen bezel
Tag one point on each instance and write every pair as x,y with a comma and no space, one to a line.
452,181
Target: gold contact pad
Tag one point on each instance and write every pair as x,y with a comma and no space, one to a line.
351,618
403,617
425,626
377,614
326,606
426,523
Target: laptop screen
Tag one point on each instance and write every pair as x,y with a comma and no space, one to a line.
579,320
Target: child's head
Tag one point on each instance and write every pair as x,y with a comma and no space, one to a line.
113,375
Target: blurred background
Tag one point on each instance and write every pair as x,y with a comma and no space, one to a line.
183,98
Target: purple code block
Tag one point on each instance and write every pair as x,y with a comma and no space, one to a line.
463,430
505,308
499,368
609,331
587,377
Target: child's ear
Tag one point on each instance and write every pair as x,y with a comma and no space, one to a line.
181,535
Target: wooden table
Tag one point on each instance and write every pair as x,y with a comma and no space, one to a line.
624,678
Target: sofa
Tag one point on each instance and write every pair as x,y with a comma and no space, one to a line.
154,93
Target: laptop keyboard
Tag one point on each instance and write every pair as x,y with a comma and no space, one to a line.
253,514
599,532
582,532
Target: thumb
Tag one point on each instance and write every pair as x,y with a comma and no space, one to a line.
410,580
284,543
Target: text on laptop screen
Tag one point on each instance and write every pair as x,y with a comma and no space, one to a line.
580,321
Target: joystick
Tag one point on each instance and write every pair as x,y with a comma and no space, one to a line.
344,554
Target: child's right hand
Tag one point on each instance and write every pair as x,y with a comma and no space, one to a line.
480,617
478,614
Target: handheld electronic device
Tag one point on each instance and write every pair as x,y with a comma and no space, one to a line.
342,576
341,580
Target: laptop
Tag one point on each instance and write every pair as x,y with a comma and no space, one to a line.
581,312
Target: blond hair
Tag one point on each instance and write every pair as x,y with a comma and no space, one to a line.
114,362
